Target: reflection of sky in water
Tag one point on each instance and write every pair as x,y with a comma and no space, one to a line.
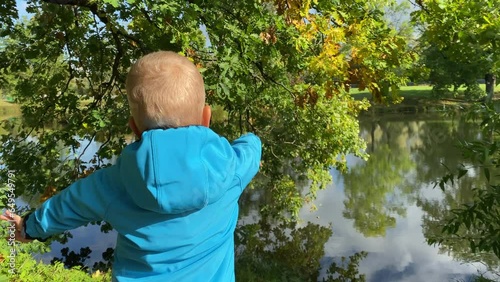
402,255
89,236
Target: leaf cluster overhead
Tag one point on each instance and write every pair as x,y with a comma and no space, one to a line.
278,68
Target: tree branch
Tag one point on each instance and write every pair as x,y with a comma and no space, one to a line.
149,19
94,8
115,31
420,4
69,2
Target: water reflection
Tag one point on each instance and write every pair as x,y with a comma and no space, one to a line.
386,207
379,190
392,198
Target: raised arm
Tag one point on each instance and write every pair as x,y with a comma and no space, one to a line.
248,149
84,201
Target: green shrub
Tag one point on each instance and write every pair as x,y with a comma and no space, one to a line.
28,269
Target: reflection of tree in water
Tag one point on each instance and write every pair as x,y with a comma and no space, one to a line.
439,145
375,191
286,252
71,259
264,252
378,190
437,213
404,152
438,152
258,200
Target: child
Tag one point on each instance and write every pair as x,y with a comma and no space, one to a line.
171,196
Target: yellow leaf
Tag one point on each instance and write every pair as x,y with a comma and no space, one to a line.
49,192
97,274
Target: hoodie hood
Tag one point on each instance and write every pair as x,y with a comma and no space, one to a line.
177,170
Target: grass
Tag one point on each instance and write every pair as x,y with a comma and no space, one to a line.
418,91
417,94
5,104
420,94
407,91
8,110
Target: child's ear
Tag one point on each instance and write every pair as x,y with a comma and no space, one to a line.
206,115
133,126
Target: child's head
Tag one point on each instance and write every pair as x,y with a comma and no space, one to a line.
165,90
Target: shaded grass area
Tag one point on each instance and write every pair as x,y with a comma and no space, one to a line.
8,110
418,91
4,104
421,95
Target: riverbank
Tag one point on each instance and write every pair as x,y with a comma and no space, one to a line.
417,99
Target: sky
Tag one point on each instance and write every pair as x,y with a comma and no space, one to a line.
21,7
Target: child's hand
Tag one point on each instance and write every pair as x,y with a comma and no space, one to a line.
18,222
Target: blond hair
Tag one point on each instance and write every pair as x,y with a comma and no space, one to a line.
165,90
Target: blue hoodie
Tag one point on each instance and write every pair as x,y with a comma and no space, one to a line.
173,199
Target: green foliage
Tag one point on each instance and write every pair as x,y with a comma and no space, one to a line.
288,253
277,68
471,226
274,69
481,278
347,270
474,92
398,19
28,269
8,14
482,216
459,42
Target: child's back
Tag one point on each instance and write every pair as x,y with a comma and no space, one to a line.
172,196
176,204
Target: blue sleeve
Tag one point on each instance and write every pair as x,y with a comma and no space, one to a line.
84,201
248,150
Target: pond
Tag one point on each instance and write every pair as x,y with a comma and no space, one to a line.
386,206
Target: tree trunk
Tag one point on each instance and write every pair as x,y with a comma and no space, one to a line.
490,81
